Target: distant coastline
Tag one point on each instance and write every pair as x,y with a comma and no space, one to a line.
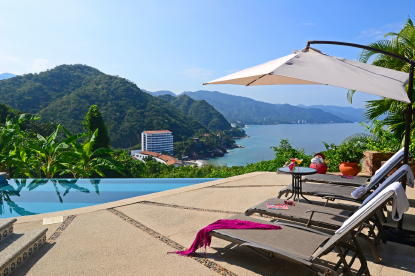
260,138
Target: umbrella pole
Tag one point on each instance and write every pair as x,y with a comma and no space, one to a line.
408,122
398,234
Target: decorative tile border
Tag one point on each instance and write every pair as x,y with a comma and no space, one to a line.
209,264
5,232
68,220
187,208
30,248
25,253
243,186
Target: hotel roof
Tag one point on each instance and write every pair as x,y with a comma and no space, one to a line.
156,131
170,160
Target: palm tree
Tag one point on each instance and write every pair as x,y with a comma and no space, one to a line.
403,44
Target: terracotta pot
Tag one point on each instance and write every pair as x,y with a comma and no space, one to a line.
349,168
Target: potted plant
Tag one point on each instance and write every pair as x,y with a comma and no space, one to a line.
350,155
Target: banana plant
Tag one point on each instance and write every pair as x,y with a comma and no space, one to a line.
87,162
15,149
52,152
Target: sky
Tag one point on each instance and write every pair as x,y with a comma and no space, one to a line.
177,45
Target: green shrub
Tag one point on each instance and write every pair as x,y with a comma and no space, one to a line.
381,138
350,150
284,152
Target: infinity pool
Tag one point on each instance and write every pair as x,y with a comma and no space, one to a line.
23,197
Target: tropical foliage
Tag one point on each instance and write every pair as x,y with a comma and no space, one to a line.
382,139
60,154
403,44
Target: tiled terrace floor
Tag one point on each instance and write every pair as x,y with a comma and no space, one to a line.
133,238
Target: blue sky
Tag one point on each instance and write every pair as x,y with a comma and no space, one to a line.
177,45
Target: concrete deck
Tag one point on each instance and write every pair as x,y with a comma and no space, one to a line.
133,236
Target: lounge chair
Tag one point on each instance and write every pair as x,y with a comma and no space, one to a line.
354,181
305,246
335,187
316,213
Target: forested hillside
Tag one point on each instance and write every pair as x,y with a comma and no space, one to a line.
201,111
64,94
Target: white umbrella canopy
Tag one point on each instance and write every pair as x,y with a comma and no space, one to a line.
313,67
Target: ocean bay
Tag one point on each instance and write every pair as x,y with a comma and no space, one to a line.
310,137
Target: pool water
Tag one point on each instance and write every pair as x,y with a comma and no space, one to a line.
22,197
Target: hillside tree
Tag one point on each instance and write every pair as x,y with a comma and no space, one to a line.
94,121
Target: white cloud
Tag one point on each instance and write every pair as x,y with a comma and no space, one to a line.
38,65
10,64
197,72
18,66
379,32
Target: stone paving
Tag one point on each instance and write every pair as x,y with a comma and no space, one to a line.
133,237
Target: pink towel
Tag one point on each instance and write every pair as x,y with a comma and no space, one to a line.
203,238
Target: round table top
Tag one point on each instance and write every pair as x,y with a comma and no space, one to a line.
298,170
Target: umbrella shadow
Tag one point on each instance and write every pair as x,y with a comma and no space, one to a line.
247,259
398,256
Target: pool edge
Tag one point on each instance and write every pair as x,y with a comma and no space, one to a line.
131,200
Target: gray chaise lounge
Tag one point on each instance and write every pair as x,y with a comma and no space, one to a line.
316,214
305,246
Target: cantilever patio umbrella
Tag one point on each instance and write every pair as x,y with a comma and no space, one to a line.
310,66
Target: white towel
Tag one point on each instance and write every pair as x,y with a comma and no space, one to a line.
400,202
359,192
400,205
403,171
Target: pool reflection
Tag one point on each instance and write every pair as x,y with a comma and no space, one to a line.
62,188
22,197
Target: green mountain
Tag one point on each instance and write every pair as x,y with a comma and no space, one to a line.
162,92
64,94
348,113
201,111
249,111
33,92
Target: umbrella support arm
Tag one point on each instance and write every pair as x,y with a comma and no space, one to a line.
410,61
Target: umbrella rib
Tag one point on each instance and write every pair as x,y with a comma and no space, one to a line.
363,69
258,79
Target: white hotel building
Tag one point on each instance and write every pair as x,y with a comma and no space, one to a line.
157,141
